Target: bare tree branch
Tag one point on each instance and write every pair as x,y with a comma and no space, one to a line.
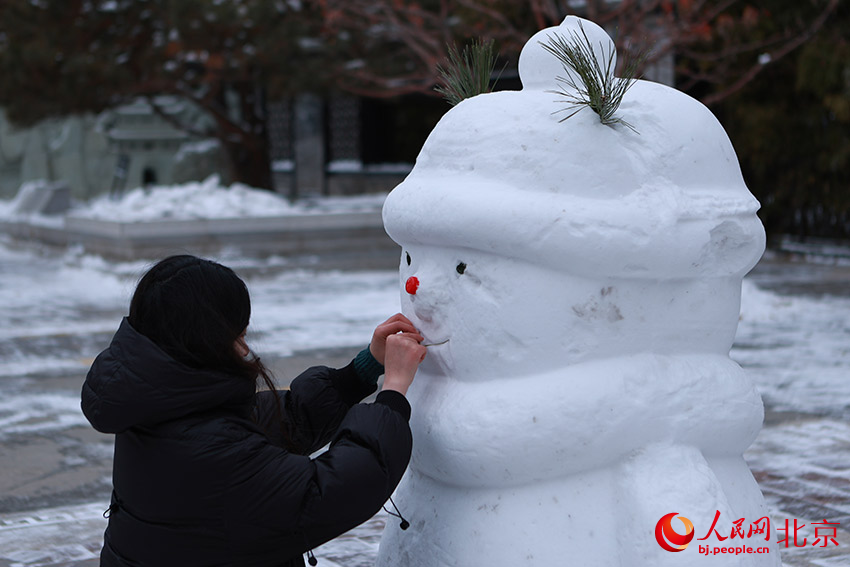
774,56
697,32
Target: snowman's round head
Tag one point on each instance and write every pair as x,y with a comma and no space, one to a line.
546,215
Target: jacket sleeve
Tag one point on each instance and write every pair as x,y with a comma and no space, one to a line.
302,503
305,417
360,471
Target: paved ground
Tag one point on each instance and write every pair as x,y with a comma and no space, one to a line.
818,489
55,484
54,479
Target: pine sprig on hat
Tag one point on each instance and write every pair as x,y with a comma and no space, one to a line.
467,73
599,89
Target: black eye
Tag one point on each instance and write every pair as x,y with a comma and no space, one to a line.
408,258
461,268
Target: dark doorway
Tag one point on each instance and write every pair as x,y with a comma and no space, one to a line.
149,176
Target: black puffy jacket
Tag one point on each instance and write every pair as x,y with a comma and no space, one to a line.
202,475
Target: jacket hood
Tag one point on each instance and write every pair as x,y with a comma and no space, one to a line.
135,383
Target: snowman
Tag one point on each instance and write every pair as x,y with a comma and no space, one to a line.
579,284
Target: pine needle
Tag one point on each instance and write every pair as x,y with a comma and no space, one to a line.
467,73
599,89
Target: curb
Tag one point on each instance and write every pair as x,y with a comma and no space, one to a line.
332,240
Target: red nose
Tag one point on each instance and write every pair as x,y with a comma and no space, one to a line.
412,285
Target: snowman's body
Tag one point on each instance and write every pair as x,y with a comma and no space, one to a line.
582,387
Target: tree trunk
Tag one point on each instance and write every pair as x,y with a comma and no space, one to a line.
250,164
244,135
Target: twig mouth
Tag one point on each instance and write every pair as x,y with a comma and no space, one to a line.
435,344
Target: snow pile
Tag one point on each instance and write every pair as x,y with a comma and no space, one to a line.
582,283
198,200
208,199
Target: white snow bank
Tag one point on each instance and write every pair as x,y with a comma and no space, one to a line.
194,200
209,199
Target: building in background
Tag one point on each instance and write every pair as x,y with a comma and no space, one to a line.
334,145
346,145
339,145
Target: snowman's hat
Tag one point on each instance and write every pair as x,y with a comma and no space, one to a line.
502,173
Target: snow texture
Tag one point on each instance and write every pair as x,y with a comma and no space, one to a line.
587,280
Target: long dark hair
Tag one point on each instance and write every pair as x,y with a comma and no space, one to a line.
195,310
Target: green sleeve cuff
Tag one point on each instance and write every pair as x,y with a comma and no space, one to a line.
368,369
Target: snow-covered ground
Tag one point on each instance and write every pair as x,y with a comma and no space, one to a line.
60,308
797,350
47,296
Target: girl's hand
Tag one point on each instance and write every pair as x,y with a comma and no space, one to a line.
403,355
398,323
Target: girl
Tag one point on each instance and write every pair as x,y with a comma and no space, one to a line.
208,471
